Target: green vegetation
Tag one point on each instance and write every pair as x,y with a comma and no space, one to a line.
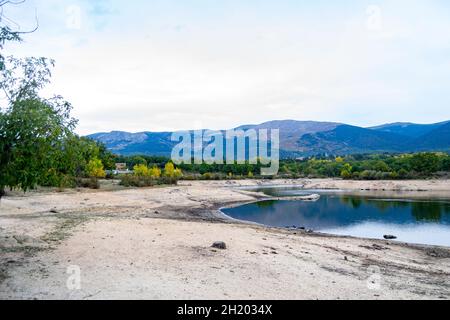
361,167
37,142
371,167
144,176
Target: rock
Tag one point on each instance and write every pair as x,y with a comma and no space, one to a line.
219,245
389,237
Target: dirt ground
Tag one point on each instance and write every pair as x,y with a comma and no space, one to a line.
156,244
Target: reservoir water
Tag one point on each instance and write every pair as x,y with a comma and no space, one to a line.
422,221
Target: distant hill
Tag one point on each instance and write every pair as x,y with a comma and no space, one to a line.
291,130
437,139
409,129
304,138
148,143
347,139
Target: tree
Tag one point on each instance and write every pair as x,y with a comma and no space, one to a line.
171,172
381,166
141,170
94,169
6,35
155,173
346,172
425,162
33,130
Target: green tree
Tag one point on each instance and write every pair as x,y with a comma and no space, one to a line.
346,172
33,130
425,162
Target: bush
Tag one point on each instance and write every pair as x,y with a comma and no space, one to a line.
368,175
91,183
207,176
345,174
137,181
403,174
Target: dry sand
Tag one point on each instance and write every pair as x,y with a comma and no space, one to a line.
155,244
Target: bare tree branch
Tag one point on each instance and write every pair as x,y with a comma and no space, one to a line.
3,17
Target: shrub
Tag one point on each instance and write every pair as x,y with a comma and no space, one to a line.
137,181
403,174
207,176
345,174
91,183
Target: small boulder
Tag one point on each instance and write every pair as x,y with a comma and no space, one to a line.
390,237
219,245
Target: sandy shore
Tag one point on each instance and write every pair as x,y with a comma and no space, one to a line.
155,244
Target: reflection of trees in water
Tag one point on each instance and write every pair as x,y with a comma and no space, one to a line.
429,211
265,204
383,205
353,202
421,211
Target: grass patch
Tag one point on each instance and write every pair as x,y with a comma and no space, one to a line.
64,229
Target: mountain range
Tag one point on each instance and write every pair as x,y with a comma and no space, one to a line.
306,138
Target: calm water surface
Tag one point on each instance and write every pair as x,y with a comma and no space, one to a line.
425,221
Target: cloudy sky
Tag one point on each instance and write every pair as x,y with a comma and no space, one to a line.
181,64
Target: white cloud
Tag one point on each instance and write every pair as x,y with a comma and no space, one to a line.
167,65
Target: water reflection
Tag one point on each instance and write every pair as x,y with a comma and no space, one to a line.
420,210
354,215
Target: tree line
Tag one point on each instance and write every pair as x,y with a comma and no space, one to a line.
363,167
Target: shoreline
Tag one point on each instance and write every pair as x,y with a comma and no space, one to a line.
161,237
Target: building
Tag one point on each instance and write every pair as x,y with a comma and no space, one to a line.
121,167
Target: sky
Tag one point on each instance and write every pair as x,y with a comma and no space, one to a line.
217,64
